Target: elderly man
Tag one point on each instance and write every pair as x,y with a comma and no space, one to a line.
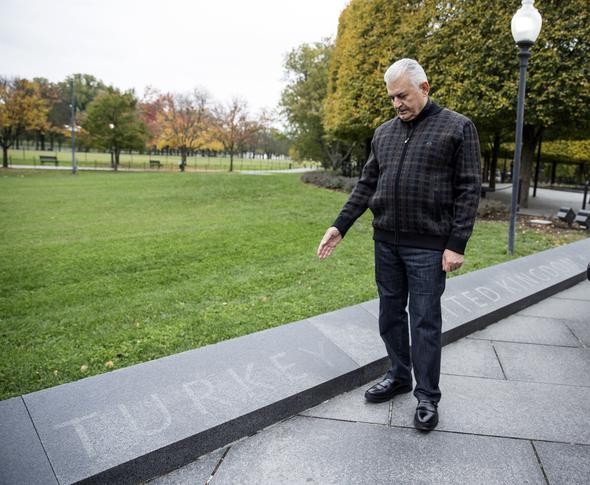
422,183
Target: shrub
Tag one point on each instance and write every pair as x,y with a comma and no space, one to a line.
494,209
330,180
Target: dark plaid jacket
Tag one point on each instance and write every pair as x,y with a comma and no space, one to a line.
421,181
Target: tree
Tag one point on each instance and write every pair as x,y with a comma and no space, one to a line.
21,108
471,62
59,113
270,141
479,78
302,103
113,122
86,88
449,55
185,121
234,127
371,36
151,107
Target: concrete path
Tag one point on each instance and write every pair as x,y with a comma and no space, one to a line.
515,409
66,168
545,204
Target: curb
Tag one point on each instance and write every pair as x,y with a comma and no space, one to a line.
136,423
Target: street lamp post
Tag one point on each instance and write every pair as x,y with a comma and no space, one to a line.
113,158
73,106
526,25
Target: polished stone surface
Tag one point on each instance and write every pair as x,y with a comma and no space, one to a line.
507,408
544,363
355,330
22,459
565,463
197,472
352,406
471,358
309,450
581,330
502,289
534,330
561,309
351,441
97,424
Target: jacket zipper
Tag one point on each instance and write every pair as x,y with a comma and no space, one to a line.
397,198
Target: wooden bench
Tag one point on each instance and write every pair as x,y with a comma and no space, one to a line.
48,159
155,163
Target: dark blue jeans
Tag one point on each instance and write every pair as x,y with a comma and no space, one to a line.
401,272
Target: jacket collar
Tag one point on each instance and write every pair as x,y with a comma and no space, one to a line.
430,108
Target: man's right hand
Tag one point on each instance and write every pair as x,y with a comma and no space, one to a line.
329,242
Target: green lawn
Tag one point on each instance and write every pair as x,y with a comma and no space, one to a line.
141,161
104,270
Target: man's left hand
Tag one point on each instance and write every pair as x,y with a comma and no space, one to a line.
451,261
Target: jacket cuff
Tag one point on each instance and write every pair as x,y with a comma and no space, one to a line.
342,225
456,244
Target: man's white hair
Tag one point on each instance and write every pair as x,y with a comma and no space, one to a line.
409,67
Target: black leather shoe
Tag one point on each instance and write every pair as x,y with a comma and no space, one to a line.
386,389
426,417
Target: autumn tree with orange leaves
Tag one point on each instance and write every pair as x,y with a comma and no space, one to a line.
234,126
21,108
184,122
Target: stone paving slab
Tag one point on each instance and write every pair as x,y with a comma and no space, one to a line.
561,309
506,408
309,450
22,458
527,329
96,427
543,363
565,464
475,358
197,472
372,307
352,406
581,330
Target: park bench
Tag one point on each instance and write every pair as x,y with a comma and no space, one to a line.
155,163
48,159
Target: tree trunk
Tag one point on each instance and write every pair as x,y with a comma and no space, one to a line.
116,159
537,164
530,135
494,162
486,166
5,156
231,160
182,164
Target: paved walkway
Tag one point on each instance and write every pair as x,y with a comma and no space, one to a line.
66,168
515,409
545,204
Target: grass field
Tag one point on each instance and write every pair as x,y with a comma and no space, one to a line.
104,270
141,161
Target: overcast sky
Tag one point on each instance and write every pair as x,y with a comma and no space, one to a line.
229,47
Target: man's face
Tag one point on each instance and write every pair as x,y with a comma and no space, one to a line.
407,98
